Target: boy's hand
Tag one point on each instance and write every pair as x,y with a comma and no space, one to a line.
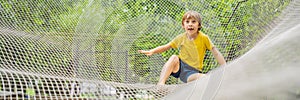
148,53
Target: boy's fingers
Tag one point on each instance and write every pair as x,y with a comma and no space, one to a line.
147,53
140,51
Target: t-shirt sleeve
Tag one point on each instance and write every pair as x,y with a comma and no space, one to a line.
175,42
209,45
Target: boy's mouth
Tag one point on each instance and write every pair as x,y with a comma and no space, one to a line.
190,29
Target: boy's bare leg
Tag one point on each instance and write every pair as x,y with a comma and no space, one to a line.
172,65
195,77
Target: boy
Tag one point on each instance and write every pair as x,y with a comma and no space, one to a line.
192,44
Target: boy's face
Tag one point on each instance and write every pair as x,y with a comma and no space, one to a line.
191,26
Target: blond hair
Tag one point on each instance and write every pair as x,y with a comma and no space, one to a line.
192,14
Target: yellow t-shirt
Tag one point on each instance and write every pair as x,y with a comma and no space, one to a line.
192,52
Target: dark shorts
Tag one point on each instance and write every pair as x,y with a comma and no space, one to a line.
184,71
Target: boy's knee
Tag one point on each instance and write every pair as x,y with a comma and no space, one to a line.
174,59
195,77
201,75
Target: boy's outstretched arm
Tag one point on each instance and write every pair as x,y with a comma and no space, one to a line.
218,56
158,49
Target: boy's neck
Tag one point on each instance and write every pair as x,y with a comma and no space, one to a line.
192,36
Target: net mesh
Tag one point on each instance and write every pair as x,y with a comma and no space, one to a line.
87,49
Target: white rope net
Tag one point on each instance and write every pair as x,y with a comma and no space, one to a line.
87,49
269,71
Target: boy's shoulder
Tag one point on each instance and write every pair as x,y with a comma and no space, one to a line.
201,34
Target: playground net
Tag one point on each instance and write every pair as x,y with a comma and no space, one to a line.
87,49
